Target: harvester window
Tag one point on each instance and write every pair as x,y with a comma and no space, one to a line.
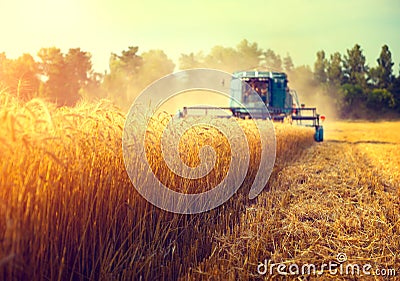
264,93
255,85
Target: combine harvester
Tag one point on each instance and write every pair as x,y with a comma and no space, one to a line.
282,103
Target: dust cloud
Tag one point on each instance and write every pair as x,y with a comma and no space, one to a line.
194,98
313,96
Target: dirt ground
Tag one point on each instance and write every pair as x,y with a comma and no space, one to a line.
340,198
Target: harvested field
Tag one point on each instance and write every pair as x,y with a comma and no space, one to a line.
340,196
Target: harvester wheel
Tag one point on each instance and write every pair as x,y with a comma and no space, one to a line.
319,134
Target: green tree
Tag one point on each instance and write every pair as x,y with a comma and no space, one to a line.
64,75
355,69
19,76
78,68
130,73
288,63
248,55
123,75
223,58
189,61
382,75
334,71
93,89
320,68
352,100
155,64
396,90
272,60
129,61
380,100
334,78
52,67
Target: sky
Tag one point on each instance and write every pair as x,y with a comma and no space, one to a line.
298,28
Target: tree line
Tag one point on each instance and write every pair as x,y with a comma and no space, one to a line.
354,88
357,89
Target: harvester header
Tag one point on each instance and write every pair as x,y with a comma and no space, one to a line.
281,102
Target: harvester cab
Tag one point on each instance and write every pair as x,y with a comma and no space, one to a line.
281,102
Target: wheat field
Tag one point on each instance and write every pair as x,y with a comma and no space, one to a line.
68,210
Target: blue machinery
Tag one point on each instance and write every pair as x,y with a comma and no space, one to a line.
281,102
